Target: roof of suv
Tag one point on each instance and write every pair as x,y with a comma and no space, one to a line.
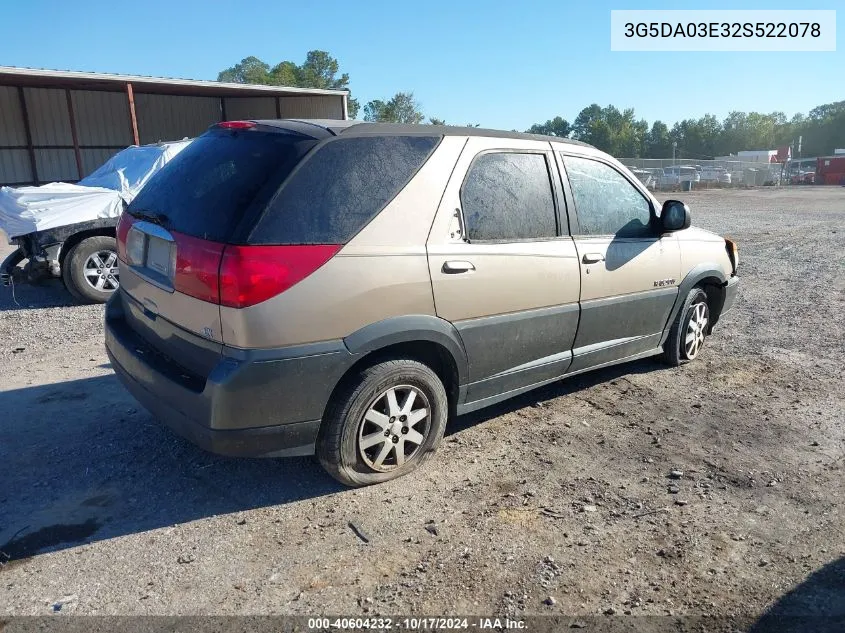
364,128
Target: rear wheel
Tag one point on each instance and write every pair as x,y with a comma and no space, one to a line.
383,424
90,270
686,337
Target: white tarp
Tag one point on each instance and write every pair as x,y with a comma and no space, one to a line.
101,195
128,171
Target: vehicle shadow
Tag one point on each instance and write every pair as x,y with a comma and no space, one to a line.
554,390
81,461
623,248
49,293
817,604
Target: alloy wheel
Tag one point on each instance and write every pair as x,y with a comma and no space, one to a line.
101,272
394,428
696,330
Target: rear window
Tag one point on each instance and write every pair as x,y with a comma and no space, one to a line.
340,188
212,183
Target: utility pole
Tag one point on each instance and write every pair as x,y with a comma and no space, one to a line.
678,172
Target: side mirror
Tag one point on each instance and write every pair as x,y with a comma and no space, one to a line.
675,216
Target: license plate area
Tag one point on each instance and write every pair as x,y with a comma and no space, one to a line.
159,256
151,251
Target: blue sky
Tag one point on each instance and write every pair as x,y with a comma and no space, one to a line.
504,64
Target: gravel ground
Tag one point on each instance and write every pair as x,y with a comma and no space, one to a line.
562,501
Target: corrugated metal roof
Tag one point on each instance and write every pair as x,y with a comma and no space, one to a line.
165,85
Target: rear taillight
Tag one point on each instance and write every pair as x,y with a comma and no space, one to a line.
241,276
197,267
123,225
252,274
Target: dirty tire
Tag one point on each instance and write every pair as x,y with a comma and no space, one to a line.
73,268
344,428
674,349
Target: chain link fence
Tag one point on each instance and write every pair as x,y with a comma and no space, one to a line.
685,173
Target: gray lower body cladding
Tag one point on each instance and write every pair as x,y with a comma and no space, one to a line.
270,402
262,403
731,290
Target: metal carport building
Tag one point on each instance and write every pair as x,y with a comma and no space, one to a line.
62,125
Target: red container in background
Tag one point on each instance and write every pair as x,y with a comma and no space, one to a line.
830,170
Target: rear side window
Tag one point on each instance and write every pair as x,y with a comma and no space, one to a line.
211,184
340,188
507,196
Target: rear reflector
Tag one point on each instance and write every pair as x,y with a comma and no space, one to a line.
237,125
252,274
123,225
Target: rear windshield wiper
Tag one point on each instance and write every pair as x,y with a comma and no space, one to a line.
156,218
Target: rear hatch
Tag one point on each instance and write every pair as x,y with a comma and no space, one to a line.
172,241
223,227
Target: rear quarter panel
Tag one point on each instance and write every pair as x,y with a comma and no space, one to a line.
381,273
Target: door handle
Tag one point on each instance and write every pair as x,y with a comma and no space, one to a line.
592,258
454,267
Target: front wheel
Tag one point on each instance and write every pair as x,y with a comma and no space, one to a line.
689,329
89,270
383,423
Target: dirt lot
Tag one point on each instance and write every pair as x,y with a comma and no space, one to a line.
558,502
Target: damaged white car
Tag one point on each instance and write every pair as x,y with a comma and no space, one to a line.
68,230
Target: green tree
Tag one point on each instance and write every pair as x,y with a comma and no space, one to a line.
582,127
640,133
658,141
612,130
436,121
402,108
375,110
698,138
250,70
285,74
557,126
827,110
319,70
823,130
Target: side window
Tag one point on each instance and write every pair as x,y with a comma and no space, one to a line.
341,188
507,196
607,204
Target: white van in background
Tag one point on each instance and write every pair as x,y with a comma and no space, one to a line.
679,173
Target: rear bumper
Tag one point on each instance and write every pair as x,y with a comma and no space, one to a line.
272,441
731,290
264,404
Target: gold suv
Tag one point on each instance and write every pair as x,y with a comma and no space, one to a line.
342,288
